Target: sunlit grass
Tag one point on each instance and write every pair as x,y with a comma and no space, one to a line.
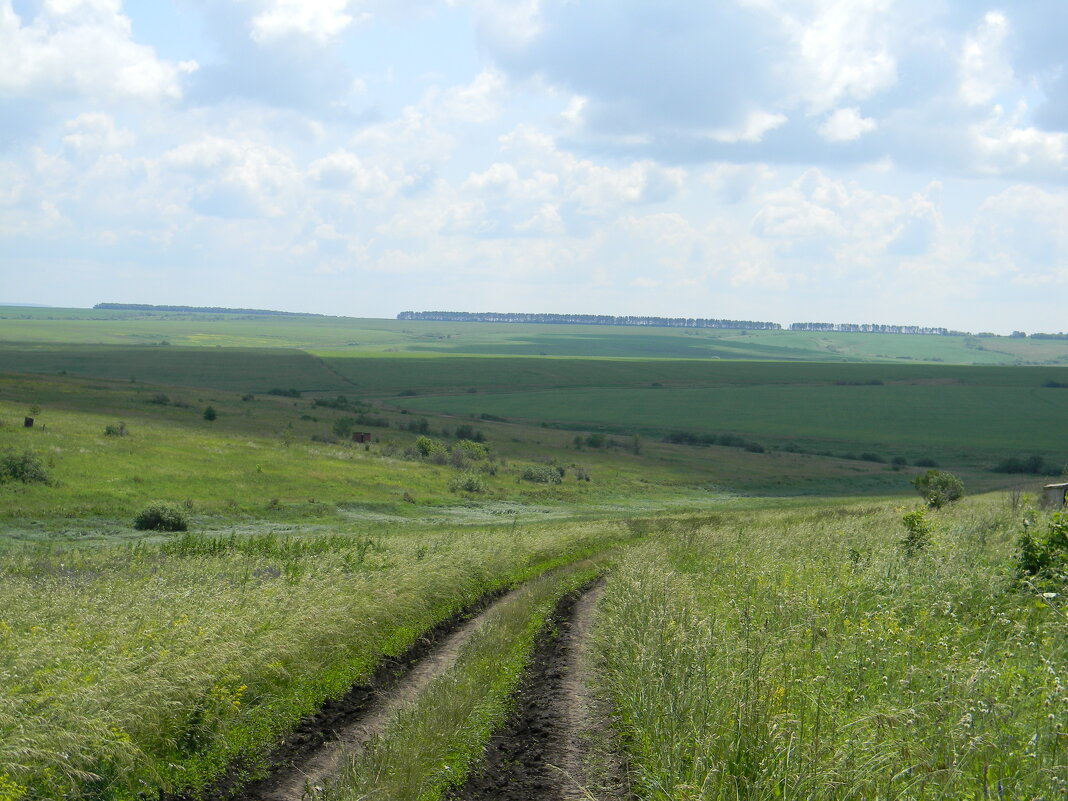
804,655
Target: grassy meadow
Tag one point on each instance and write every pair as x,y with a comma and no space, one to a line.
763,634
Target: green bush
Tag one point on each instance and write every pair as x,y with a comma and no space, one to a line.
467,482
115,429
472,450
210,413
25,467
938,488
919,530
429,447
541,474
161,517
1046,556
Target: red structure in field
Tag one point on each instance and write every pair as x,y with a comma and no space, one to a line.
361,436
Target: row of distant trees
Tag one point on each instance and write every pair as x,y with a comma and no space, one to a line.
584,319
694,322
876,328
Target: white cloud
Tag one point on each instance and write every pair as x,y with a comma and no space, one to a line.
846,125
984,68
343,170
1021,232
236,178
82,48
752,129
319,20
96,131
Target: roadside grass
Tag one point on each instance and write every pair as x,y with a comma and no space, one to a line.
803,654
431,745
135,670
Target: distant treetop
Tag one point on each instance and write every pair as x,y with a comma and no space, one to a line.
200,309
583,319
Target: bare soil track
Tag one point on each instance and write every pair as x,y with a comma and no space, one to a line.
541,753
310,754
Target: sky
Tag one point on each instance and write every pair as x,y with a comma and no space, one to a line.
888,161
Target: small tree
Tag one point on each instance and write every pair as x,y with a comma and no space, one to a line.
919,530
937,488
209,413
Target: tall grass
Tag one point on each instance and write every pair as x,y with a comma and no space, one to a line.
789,656
139,669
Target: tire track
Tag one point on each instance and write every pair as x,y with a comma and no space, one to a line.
312,753
543,752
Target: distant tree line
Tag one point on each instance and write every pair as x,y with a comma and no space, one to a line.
585,319
876,328
199,309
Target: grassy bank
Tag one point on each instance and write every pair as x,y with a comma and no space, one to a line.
806,655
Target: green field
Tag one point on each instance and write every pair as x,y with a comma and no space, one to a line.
911,419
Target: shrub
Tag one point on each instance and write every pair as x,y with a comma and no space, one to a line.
471,449
1045,556
428,447
209,413
938,488
918,529
872,457
285,393
25,467
926,461
467,482
899,461
541,474
161,517
343,427
159,399
115,429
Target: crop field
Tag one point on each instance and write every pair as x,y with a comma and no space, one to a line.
640,567
899,419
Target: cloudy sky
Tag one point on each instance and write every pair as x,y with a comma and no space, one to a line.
898,161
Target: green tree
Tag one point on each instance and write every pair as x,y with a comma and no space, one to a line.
209,413
937,488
